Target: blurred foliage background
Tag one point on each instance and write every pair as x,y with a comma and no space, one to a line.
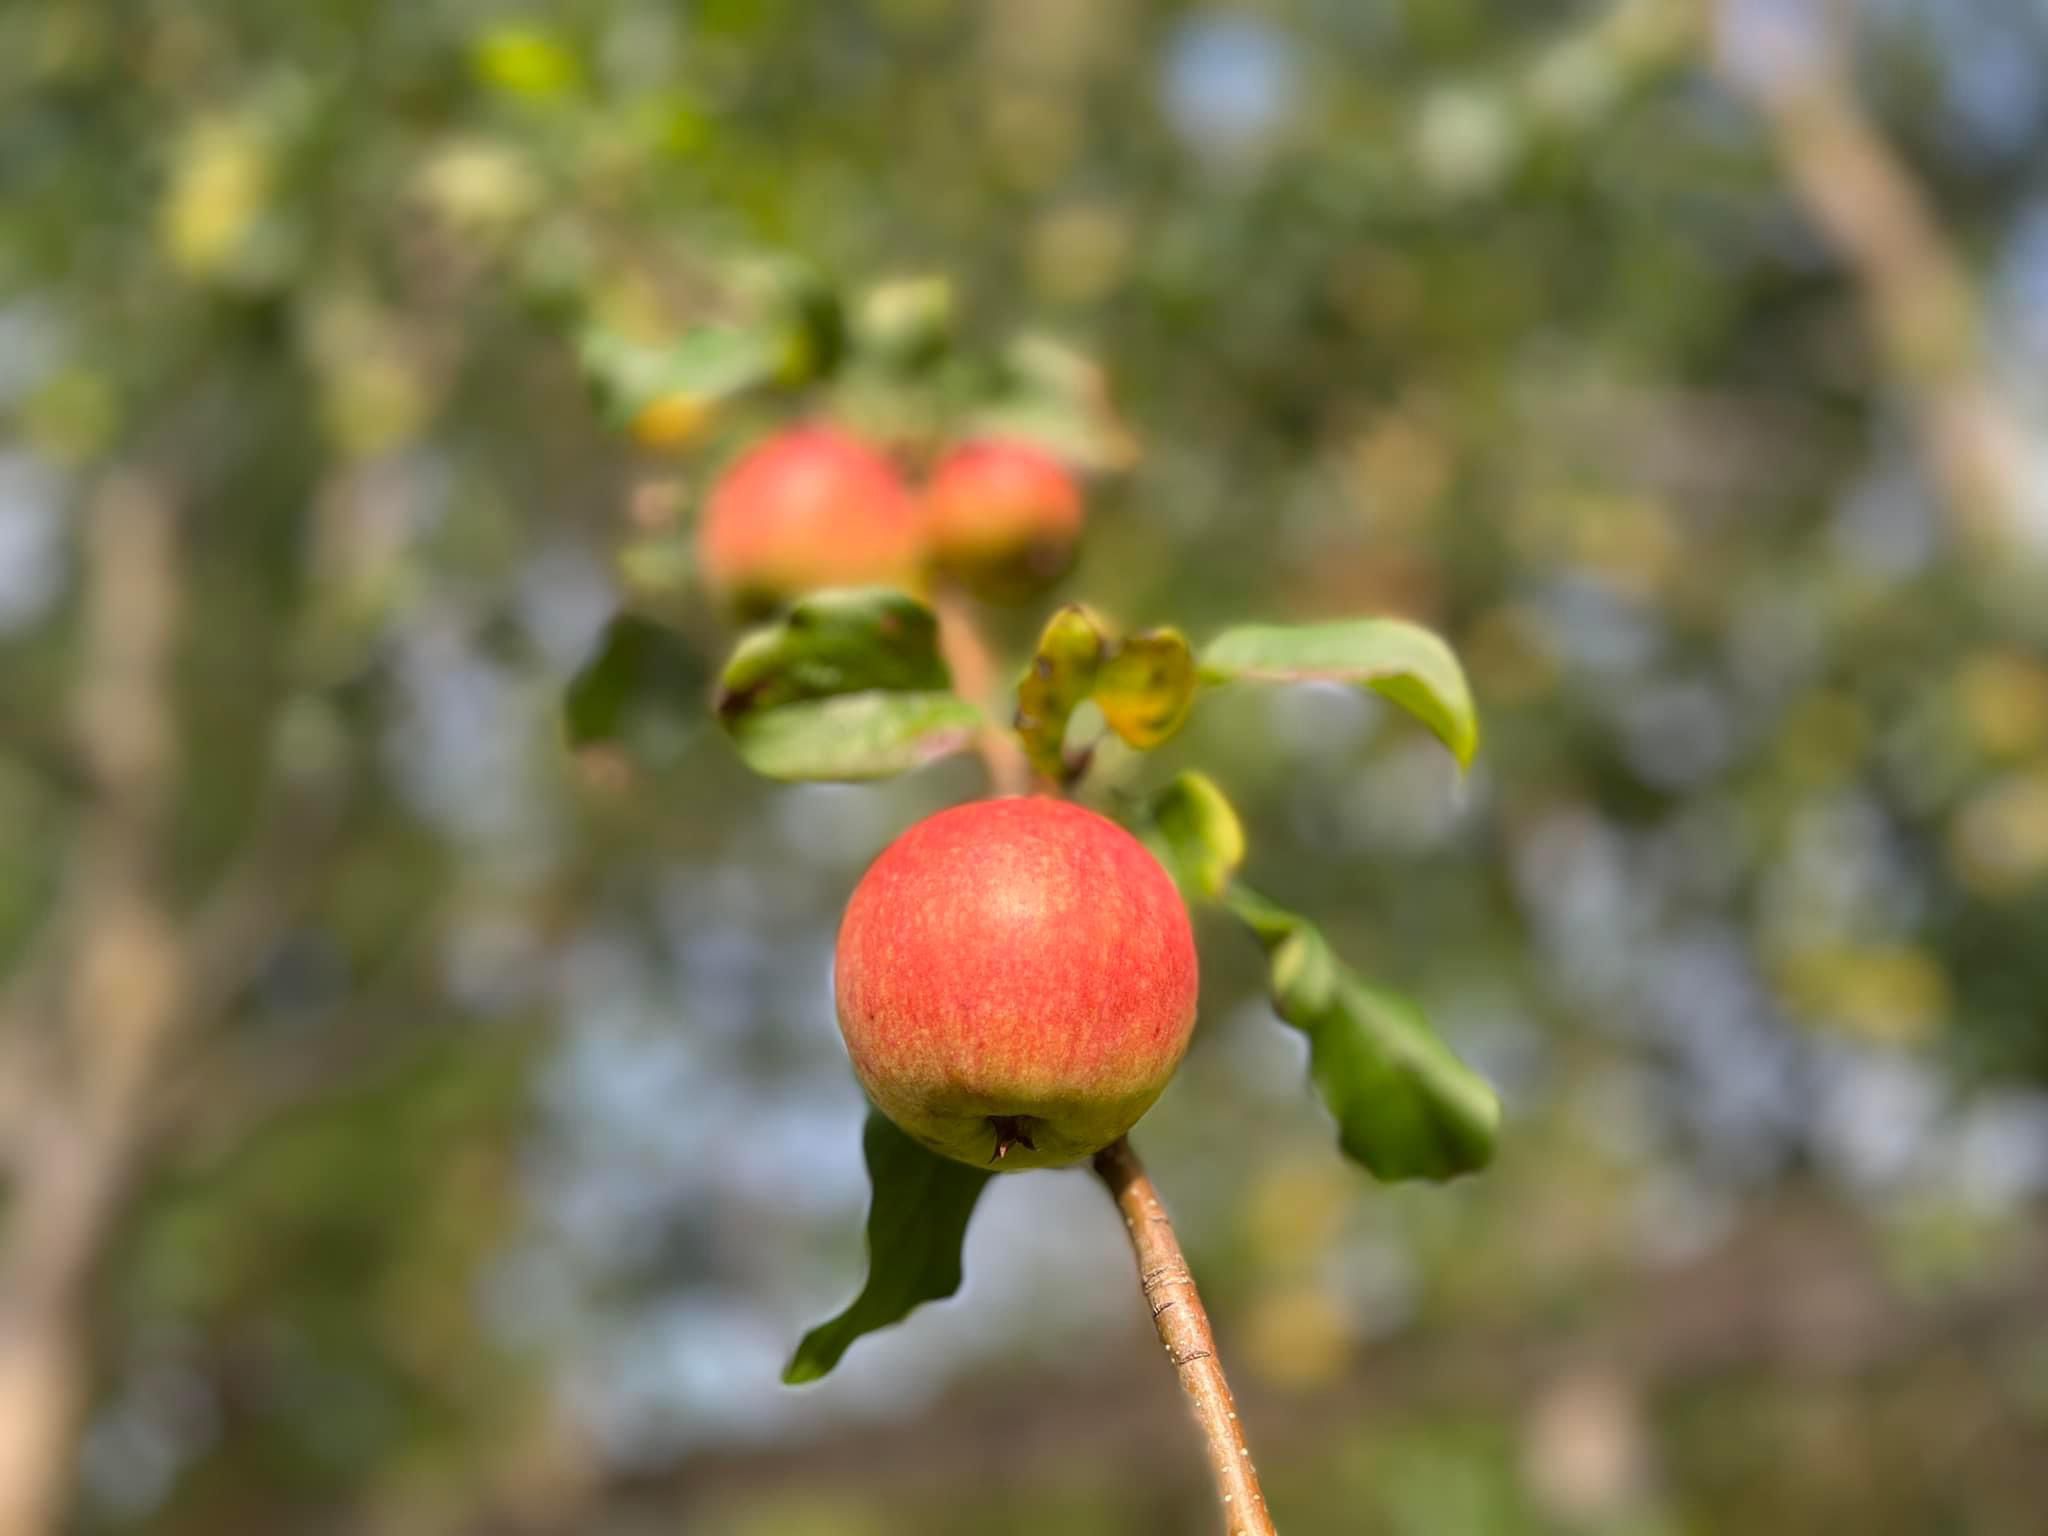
410,1126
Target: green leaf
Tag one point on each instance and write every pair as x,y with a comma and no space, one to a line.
668,391
643,680
845,640
1059,398
1400,661
858,736
806,312
1147,686
848,684
1406,1107
906,322
1195,832
1060,676
916,1224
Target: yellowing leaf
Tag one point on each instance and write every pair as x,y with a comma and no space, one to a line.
1060,676
1147,686
220,184
527,62
672,421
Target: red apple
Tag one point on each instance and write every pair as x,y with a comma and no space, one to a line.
1005,515
808,508
1016,982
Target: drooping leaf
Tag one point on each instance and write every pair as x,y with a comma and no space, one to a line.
1195,832
644,680
1060,676
1403,662
1405,1106
848,684
917,1221
1147,686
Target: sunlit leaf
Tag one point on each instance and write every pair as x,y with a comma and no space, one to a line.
668,394
644,679
526,61
906,322
1195,831
1060,676
1400,661
1405,1106
848,684
1146,687
916,1223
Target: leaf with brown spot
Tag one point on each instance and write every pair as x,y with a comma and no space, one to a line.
1061,675
1147,686
847,685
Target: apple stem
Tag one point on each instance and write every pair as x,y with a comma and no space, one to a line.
1183,1326
974,678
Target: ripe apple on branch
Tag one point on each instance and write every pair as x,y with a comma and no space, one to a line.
1016,978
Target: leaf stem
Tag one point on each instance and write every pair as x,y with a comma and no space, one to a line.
973,666
1184,1329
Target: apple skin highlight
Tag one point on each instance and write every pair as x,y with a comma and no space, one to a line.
1016,981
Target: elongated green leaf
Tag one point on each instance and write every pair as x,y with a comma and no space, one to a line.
643,681
1402,662
846,685
856,736
1195,832
1147,686
1061,674
1405,1106
916,1224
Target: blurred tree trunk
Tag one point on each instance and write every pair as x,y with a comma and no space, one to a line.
1919,298
93,1037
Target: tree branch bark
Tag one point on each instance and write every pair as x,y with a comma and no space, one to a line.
122,995
1183,1326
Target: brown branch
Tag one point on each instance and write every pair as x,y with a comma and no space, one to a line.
974,676
1184,1329
121,998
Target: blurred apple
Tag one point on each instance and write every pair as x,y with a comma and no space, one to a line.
810,507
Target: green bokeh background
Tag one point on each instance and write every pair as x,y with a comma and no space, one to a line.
493,1194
